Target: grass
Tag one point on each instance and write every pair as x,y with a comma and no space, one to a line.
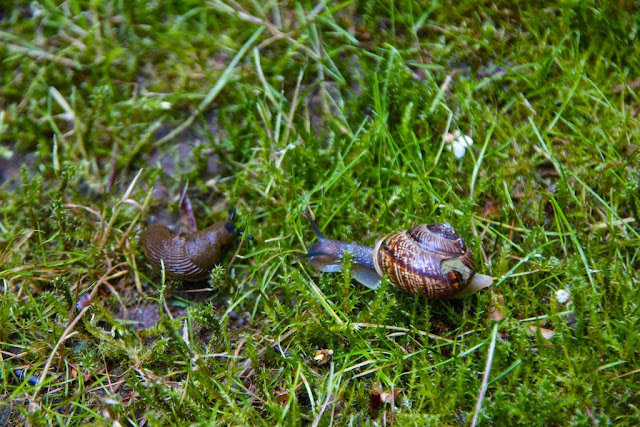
109,108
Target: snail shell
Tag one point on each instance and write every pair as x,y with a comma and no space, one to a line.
431,260
187,257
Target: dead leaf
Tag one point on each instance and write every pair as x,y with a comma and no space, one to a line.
188,219
546,333
378,397
282,396
495,308
489,208
323,356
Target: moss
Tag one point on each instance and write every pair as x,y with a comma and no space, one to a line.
344,109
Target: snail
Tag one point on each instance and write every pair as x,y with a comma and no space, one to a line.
188,256
431,260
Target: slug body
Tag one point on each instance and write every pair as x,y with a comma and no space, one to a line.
187,256
431,260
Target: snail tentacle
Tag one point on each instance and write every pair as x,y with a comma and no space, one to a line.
326,255
431,260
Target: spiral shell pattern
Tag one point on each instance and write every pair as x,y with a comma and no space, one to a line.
413,260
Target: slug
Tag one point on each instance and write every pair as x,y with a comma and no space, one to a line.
191,256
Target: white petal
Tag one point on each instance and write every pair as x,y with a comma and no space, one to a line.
562,296
452,136
458,150
466,139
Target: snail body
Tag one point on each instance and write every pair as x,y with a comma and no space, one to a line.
431,260
187,256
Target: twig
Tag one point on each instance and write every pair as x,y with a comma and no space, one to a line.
66,334
276,33
324,405
41,54
485,378
294,104
116,210
372,370
622,86
14,250
187,210
399,328
113,168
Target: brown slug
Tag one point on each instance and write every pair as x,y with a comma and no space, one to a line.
431,260
188,256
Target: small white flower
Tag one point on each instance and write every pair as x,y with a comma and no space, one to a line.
465,140
458,143
165,105
458,149
451,136
562,296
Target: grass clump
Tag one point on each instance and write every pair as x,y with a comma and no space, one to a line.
110,109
